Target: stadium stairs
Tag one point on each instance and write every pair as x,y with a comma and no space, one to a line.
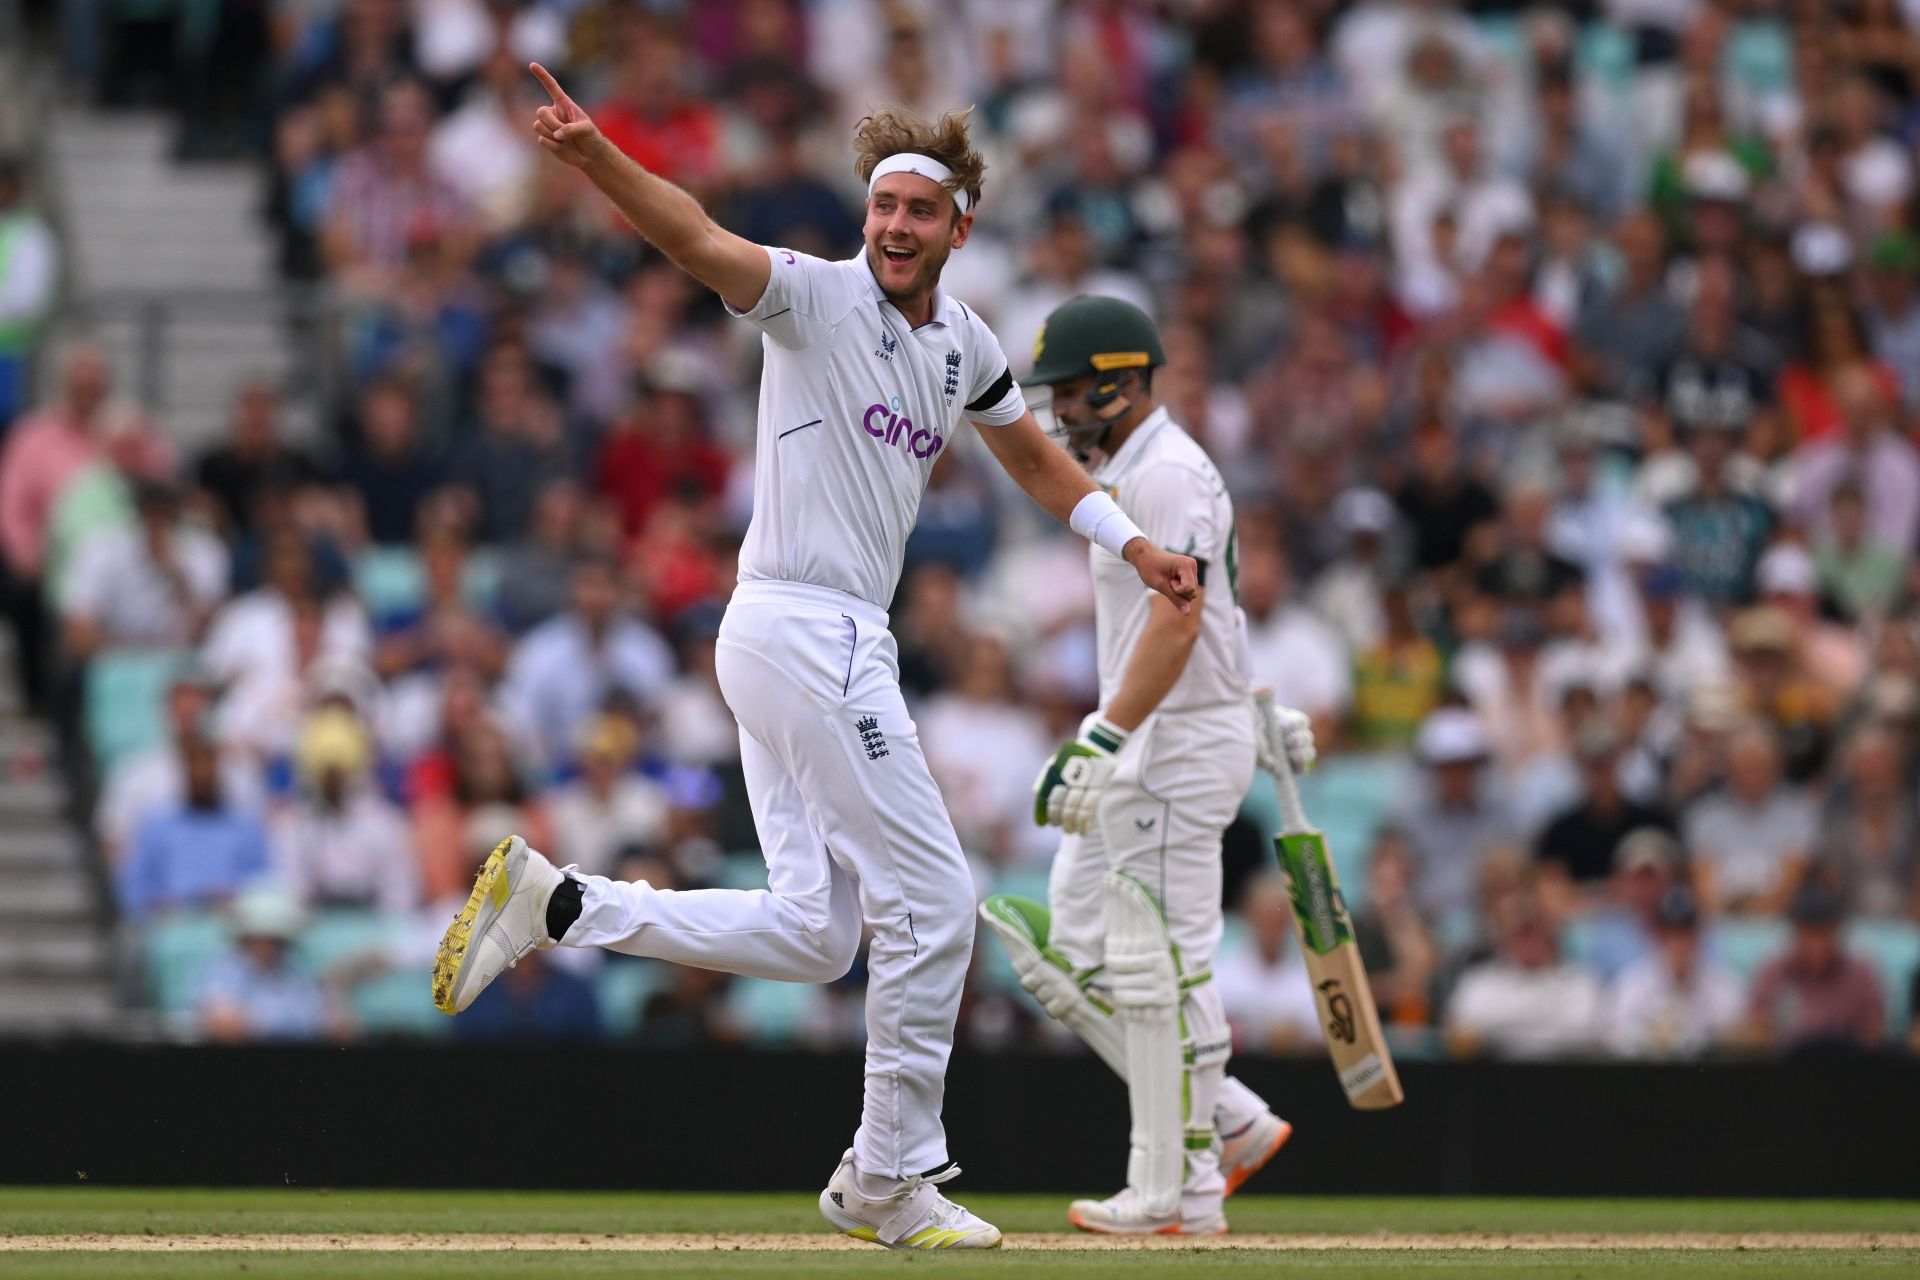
57,957
172,268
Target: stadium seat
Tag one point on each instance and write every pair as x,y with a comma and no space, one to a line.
622,987
399,1002
1743,945
175,953
1893,948
389,581
126,698
334,937
772,1013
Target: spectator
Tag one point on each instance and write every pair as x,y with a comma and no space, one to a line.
386,468
1264,984
538,1000
1718,531
1525,1002
340,843
1858,572
1619,340
44,452
1620,933
29,278
609,807
1397,681
535,572
385,195
562,671
1815,996
1677,1002
663,448
1749,843
255,992
468,805
1579,849
1454,815
154,584
519,445
253,461
1394,938
1870,451
1868,849
263,647
198,854
1293,652
154,781
984,746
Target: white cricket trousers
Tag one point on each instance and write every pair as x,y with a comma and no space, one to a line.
1177,784
853,830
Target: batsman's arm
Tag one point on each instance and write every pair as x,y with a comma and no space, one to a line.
1160,655
669,218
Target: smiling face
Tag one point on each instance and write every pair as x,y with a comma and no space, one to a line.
910,231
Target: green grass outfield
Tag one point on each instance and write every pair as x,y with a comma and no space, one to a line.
300,1232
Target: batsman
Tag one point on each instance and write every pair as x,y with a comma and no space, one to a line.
1122,952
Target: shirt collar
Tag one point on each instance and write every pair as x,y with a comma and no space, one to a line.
1129,450
945,310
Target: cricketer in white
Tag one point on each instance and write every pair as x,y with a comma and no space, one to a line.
869,370
1123,950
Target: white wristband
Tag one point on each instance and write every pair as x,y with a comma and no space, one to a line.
1099,519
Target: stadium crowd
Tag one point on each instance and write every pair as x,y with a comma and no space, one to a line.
1564,361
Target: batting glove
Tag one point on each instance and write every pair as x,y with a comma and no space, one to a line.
1284,734
1067,793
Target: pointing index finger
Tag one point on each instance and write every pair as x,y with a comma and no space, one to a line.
548,83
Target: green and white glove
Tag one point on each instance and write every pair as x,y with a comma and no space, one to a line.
1283,734
1067,793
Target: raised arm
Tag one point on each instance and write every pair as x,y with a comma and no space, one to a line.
670,219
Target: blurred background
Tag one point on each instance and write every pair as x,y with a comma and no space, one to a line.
369,491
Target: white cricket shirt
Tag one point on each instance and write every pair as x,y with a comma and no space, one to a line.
1165,482
855,408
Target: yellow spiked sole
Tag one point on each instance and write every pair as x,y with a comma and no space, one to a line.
492,880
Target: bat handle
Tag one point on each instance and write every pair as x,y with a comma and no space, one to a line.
1293,815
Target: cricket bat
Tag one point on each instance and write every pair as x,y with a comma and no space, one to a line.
1340,988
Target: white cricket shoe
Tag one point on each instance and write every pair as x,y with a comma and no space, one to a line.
505,918
1246,1151
914,1217
1126,1215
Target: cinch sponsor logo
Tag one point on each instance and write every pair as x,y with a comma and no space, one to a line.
888,422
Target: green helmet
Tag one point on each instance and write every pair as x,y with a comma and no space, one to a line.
1093,335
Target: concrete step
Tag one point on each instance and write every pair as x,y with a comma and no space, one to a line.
54,952
31,796
58,1004
45,897
52,849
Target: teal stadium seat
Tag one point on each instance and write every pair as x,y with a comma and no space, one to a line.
125,702
622,987
397,1002
389,581
771,1013
1744,945
175,953
1893,948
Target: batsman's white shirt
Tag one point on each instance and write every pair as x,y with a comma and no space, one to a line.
855,408
1167,484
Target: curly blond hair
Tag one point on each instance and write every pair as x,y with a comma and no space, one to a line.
892,130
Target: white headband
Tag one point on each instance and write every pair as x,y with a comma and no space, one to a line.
914,162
